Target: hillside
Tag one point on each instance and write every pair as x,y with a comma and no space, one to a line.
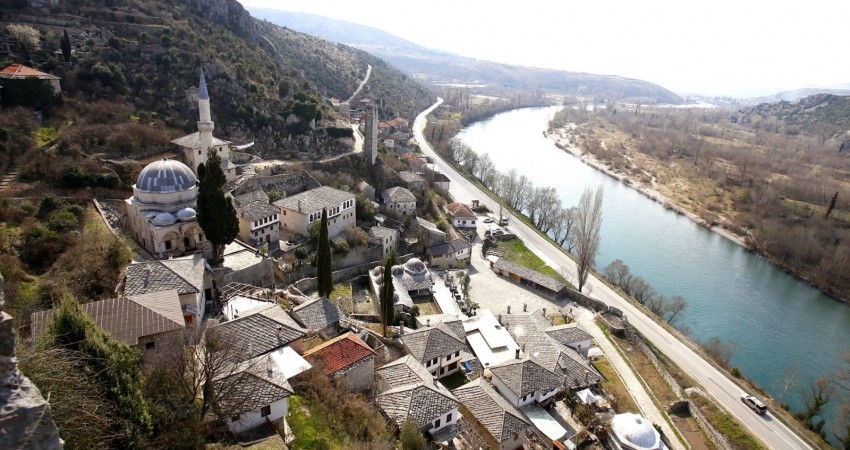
824,115
440,67
146,54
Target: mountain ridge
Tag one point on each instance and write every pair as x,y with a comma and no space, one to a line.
436,66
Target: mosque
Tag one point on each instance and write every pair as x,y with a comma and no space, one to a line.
161,213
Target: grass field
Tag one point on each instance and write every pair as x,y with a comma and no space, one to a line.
517,252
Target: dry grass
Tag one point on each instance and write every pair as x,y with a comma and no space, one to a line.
615,387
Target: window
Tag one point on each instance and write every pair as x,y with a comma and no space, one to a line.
266,411
437,424
168,245
235,418
448,417
150,345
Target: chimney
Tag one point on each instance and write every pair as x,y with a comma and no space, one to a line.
509,309
525,307
500,319
523,348
279,334
436,382
544,312
428,323
586,376
301,205
517,353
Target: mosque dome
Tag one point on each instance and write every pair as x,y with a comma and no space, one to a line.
414,266
635,431
165,176
163,219
186,214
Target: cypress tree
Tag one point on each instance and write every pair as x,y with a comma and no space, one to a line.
387,304
323,260
65,44
113,366
216,214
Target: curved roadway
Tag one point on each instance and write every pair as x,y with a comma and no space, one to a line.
771,431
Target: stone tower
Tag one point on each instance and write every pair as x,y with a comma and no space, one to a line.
370,144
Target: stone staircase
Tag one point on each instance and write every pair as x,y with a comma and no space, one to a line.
9,177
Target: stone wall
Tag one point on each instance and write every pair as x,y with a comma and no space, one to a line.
24,414
288,184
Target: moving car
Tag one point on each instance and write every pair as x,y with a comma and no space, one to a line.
754,403
504,221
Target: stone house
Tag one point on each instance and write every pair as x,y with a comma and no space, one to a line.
414,162
407,391
437,348
460,215
387,238
441,182
259,221
413,180
346,358
22,72
449,254
318,316
300,211
429,234
399,201
505,425
523,381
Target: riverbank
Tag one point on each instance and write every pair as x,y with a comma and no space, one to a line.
563,141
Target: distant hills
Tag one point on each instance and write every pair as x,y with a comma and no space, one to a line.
824,115
435,66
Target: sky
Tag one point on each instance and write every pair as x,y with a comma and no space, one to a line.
719,47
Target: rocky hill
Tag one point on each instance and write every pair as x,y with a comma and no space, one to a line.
146,53
440,67
824,115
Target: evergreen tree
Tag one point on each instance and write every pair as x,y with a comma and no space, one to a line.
113,366
65,44
216,214
323,260
387,304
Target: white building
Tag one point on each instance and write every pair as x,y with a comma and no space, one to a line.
196,146
300,211
161,214
259,221
460,215
523,381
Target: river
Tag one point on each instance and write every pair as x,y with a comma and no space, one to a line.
779,323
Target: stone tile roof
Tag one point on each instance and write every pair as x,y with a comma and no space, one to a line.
251,387
500,418
185,275
459,210
428,225
126,318
410,177
323,197
431,342
257,210
193,141
382,232
568,334
397,194
524,376
452,246
413,275
249,197
453,322
262,330
413,393
316,314
531,275
529,331
341,353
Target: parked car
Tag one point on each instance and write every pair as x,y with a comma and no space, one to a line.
754,403
504,221
488,220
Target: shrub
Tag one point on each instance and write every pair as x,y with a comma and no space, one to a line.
341,246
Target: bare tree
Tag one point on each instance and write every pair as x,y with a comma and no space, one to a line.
677,304
27,36
787,381
524,188
815,397
563,227
721,352
619,274
587,234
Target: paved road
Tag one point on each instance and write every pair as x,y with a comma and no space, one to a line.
771,431
362,83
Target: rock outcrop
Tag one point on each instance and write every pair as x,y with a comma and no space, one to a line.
24,414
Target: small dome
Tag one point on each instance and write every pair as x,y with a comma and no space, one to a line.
186,214
635,430
414,266
163,219
166,175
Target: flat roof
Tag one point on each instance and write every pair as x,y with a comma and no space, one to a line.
547,424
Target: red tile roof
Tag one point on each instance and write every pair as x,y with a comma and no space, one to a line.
413,159
340,353
22,71
459,210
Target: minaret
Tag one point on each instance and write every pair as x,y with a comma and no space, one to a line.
205,124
